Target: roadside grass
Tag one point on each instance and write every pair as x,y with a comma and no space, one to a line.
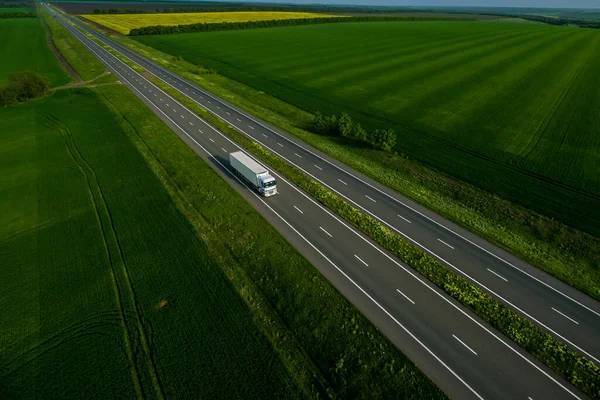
319,334
582,373
511,108
564,252
23,47
86,65
123,23
107,287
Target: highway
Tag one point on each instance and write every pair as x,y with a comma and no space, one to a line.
561,310
463,356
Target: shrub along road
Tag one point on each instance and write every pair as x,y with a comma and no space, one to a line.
569,315
463,356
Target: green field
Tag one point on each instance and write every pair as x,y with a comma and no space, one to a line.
513,108
17,9
105,287
24,47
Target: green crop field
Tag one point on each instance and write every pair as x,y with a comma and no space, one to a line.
105,288
513,108
24,47
17,9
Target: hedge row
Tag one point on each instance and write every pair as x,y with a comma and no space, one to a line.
13,5
227,26
582,373
17,14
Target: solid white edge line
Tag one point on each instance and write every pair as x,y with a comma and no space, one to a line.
566,316
440,240
498,275
328,234
405,296
390,258
359,259
464,344
318,251
299,210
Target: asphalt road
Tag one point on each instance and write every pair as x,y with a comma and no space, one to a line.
465,357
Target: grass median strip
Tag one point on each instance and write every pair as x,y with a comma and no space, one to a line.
581,372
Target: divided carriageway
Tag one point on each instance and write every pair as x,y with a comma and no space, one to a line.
464,356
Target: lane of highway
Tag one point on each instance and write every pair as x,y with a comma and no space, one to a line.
465,357
561,310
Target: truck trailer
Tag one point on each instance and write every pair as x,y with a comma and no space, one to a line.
253,173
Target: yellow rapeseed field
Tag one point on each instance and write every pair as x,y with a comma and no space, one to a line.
123,23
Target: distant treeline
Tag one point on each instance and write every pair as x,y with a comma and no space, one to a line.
201,10
226,26
559,21
13,5
17,14
318,9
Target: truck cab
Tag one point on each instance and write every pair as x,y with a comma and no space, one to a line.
268,185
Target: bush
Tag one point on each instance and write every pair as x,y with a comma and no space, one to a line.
23,86
344,126
383,139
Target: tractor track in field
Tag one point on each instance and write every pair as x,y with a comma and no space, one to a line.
122,285
96,324
517,159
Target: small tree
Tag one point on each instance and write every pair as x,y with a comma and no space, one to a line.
319,123
8,96
383,139
359,133
28,85
345,125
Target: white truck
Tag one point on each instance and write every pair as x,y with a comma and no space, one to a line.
253,173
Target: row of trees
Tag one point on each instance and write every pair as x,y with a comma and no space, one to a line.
23,86
17,14
344,126
224,26
560,21
13,5
193,10
316,9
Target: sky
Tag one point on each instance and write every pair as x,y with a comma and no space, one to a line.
448,3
